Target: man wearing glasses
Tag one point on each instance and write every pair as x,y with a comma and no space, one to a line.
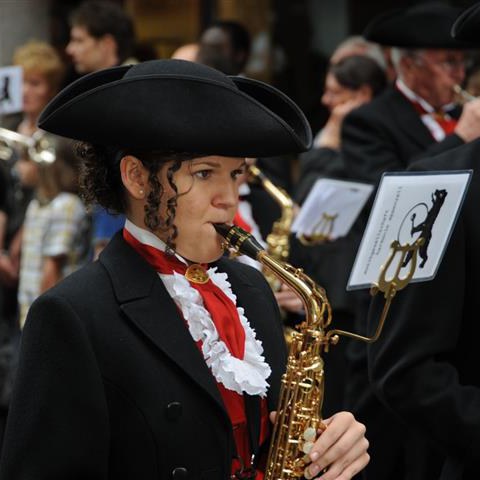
418,116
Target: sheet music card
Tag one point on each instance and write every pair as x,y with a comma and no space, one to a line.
10,90
335,201
407,206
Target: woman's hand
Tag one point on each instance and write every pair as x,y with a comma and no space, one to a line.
342,448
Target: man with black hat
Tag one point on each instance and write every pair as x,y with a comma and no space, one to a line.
425,365
415,118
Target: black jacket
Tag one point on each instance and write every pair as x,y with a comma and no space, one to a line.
111,384
386,134
425,365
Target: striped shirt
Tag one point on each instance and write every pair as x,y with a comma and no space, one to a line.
58,228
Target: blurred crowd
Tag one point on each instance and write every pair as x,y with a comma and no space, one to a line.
388,108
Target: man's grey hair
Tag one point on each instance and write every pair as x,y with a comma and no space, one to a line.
397,54
371,49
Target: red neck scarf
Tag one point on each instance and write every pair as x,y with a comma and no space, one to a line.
222,310
239,221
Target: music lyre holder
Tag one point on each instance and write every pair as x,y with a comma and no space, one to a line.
322,230
389,287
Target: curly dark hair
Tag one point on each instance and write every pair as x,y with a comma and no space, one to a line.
100,183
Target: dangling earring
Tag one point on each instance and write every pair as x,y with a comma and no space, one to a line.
141,192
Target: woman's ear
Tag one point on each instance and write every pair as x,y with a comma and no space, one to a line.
134,176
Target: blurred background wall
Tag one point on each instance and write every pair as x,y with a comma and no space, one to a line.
292,39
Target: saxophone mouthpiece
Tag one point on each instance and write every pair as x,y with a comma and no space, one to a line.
222,229
238,239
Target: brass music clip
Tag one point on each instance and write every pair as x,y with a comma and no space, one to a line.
322,230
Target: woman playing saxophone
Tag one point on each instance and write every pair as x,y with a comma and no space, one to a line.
162,360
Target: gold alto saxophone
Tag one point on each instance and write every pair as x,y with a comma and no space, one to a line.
278,244
302,386
302,389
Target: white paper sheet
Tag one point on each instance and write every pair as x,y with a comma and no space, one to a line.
407,206
10,90
339,200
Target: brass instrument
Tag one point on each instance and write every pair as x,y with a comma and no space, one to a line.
38,147
463,95
278,243
302,385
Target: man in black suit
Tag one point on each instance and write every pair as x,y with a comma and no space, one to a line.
424,367
410,120
414,118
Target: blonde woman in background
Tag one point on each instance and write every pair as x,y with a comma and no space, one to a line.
43,72
42,75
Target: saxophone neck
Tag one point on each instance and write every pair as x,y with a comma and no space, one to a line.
314,299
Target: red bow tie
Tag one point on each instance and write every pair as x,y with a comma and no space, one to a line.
222,310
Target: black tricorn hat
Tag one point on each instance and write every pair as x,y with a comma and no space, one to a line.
467,26
174,105
422,26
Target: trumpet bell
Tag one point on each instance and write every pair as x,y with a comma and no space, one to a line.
39,147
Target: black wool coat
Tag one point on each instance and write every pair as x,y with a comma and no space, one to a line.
425,364
387,134
111,384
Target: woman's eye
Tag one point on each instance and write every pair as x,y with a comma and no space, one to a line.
238,173
203,174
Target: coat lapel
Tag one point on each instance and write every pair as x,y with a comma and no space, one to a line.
409,121
148,306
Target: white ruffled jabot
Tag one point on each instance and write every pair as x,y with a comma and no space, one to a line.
240,375
247,375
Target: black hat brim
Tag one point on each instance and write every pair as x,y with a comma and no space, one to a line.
179,111
422,26
467,26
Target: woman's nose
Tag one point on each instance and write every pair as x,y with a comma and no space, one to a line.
227,195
